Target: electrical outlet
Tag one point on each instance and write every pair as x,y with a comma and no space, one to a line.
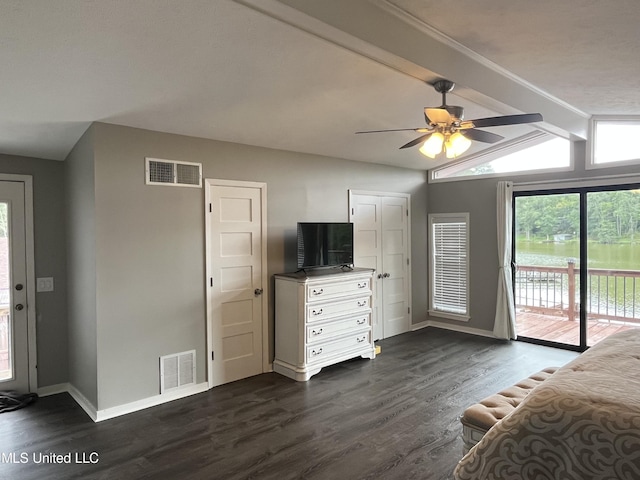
44,284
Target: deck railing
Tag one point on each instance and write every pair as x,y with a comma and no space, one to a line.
611,294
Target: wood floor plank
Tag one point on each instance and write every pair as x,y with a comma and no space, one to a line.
394,417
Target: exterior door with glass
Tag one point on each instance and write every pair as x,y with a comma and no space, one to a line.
14,328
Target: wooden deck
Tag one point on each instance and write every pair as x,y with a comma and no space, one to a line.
560,329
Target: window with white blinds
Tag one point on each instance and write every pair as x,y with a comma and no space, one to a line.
449,247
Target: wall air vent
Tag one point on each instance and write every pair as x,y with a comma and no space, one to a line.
177,370
172,173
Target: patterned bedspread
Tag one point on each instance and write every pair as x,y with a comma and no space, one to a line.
582,423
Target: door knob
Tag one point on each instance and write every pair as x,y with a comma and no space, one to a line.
257,291
19,307
19,287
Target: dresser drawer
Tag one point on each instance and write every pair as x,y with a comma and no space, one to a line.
323,351
323,331
322,291
316,313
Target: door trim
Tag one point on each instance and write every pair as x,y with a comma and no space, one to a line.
27,181
208,183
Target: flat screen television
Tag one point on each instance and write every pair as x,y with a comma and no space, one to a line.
325,244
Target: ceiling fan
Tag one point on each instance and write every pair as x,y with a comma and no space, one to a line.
447,128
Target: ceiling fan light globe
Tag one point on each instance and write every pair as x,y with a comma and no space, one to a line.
456,145
449,152
433,145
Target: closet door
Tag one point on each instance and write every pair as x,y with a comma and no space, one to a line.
395,263
381,242
366,217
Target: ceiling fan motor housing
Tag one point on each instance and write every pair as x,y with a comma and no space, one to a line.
444,86
456,112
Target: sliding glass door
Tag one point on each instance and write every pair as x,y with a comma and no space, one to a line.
547,257
613,276
577,255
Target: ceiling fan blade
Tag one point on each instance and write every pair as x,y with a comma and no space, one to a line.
437,115
503,120
419,130
418,140
481,136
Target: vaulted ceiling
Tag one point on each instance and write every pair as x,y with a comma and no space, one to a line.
305,76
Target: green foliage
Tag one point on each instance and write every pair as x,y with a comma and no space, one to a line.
543,216
4,227
612,217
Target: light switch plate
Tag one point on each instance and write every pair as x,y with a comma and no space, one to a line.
44,284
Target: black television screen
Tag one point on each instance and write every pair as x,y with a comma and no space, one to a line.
324,244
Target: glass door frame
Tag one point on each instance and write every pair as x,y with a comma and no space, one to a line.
582,191
30,284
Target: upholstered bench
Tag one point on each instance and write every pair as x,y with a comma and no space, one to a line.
479,418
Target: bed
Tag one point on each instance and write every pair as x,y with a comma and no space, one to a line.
581,423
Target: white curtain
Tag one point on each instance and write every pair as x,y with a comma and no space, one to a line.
505,322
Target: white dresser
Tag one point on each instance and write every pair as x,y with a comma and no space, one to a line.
322,317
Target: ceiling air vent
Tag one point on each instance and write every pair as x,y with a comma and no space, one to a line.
172,173
177,370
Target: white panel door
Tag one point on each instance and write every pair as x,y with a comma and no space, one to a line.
395,254
14,344
236,310
381,242
367,249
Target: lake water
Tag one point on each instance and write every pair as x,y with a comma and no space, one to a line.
615,257
605,295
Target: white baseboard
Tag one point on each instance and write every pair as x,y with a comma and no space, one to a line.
112,412
79,398
455,328
53,389
148,402
419,326
85,404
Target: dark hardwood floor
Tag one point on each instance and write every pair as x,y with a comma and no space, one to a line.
395,417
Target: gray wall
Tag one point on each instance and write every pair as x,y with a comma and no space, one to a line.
81,267
150,254
478,197
49,221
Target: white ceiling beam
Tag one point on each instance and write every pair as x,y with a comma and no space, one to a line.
379,30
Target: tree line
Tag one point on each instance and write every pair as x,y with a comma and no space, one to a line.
612,217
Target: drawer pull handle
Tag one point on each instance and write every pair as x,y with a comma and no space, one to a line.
362,303
361,339
316,332
320,291
317,312
316,352
362,321
362,285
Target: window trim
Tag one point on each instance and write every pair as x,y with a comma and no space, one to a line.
494,153
435,218
591,150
